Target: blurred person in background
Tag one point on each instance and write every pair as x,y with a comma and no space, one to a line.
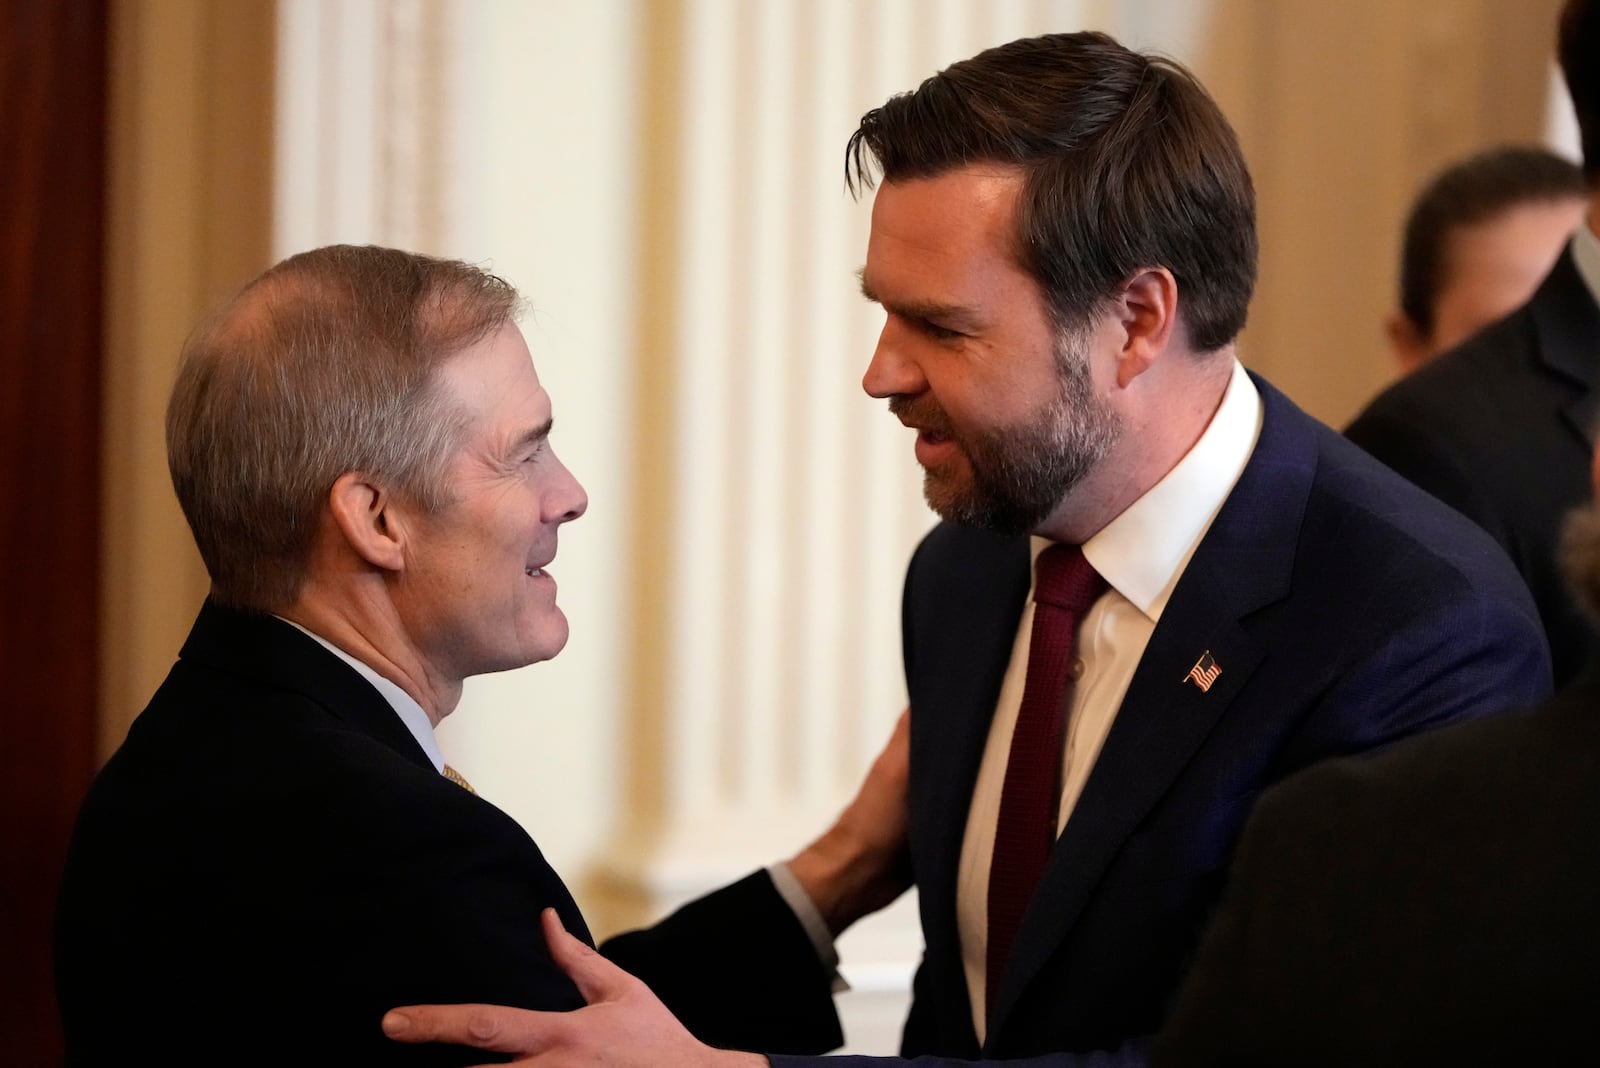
1501,428
1480,238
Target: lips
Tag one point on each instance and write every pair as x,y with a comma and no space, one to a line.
935,444
933,449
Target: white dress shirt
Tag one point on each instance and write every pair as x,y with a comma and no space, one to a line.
405,706
1141,554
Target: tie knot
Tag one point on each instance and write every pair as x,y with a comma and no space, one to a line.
1063,578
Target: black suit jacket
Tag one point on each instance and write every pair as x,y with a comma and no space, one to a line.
1502,429
271,856
1436,904
1346,609
270,862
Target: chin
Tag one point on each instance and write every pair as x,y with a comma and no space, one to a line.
547,637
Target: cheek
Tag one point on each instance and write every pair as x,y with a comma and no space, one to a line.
985,409
970,398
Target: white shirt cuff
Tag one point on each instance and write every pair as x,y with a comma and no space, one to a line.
805,910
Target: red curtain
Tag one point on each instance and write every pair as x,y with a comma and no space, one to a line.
52,193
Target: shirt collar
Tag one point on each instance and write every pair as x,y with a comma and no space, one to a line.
1586,254
1142,552
404,705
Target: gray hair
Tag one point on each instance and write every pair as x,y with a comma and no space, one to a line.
325,364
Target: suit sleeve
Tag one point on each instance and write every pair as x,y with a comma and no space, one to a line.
738,970
1476,654
404,890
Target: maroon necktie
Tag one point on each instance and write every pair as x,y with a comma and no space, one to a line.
1063,589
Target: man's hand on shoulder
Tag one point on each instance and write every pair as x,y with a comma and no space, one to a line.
623,1025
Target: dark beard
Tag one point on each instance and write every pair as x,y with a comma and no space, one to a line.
1020,475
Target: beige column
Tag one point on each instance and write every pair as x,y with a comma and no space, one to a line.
190,160
362,99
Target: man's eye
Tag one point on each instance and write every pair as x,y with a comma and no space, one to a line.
939,333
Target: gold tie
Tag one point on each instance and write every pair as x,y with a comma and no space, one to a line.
455,776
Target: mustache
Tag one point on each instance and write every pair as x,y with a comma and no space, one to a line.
923,412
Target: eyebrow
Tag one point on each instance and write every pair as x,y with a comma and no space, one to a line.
866,287
916,309
534,435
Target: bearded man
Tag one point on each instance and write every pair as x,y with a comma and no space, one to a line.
1064,273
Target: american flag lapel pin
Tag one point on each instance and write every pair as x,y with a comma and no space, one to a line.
1204,672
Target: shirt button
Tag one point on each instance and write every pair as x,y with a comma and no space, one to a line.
1077,670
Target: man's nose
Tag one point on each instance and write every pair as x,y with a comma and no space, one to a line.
569,500
891,372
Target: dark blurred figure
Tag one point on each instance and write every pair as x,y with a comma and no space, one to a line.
1480,238
1502,427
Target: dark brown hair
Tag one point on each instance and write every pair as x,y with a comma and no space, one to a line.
326,363
1472,191
1128,165
1578,43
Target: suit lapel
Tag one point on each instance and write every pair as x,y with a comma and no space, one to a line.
961,633
273,653
1242,564
1567,323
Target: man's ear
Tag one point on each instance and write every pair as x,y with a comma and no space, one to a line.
1410,348
365,516
1147,305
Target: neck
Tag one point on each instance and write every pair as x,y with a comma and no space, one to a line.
1166,411
368,629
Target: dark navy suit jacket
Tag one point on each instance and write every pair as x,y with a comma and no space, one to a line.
1346,609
